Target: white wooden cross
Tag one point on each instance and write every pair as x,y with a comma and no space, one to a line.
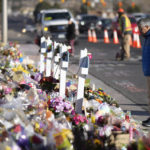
84,67
49,57
56,67
43,51
63,70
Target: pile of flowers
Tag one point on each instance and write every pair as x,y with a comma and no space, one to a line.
34,117
100,96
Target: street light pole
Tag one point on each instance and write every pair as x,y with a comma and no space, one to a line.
4,21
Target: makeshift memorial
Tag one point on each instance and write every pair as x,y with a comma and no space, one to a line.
34,117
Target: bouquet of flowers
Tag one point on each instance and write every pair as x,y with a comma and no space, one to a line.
79,120
60,106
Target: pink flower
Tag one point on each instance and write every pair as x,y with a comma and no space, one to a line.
78,117
76,122
8,90
79,120
82,119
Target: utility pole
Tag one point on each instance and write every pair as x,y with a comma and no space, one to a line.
4,21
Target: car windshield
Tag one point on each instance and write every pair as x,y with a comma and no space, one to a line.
91,18
55,16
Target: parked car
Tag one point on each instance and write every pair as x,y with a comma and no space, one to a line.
87,22
115,24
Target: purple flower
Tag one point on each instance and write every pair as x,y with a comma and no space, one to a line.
60,105
73,112
100,119
67,107
59,108
38,77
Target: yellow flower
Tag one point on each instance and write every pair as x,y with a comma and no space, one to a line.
48,96
93,119
30,66
64,133
101,94
8,148
25,71
20,54
14,69
67,133
97,141
37,125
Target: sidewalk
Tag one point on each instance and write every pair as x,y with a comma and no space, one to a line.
137,112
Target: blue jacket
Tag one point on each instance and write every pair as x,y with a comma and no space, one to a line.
146,54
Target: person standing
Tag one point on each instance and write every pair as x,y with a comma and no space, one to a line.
126,31
144,27
70,35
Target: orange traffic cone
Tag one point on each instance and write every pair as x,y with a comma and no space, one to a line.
89,36
116,40
94,38
134,43
138,41
106,38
